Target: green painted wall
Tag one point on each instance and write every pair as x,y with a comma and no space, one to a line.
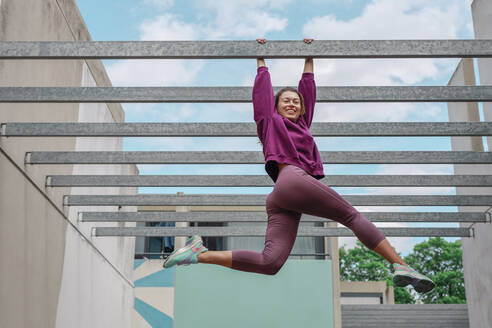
299,295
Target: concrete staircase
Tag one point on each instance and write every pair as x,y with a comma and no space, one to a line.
405,316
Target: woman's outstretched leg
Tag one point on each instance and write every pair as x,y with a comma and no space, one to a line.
280,236
387,251
223,258
297,190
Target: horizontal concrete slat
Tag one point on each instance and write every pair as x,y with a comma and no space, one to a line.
239,94
260,231
391,308
256,216
213,129
259,200
245,49
263,180
165,254
254,157
405,315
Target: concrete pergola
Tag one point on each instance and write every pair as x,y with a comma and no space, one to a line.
464,125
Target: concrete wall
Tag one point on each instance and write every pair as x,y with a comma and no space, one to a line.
302,245
164,297
477,262
476,251
299,295
366,292
53,272
476,255
154,294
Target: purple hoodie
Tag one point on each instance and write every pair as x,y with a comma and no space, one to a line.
283,140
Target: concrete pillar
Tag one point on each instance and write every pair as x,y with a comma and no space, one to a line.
181,241
331,247
477,263
482,18
478,248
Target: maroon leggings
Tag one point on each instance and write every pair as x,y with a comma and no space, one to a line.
297,192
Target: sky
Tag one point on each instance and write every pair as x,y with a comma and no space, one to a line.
286,20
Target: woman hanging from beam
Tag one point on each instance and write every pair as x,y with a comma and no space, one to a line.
293,162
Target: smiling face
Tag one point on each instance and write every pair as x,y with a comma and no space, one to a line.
290,105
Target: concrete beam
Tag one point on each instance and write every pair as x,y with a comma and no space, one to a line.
238,94
254,157
255,200
264,180
246,49
257,216
260,231
211,129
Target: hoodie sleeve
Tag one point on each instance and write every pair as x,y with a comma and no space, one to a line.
307,88
263,99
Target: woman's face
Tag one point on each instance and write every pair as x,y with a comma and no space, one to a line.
289,105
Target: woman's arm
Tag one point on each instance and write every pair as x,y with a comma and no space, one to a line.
263,98
308,63
260,61
307,88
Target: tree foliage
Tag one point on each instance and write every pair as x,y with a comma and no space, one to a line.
436,258
442,262
362,264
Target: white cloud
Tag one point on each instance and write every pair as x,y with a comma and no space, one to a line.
158,72
159,113
409,191
376,112
153,72
238,4
243,18
388,19
430,169
382,19
194,144
167,27
159,3
363,72
230,20
218,19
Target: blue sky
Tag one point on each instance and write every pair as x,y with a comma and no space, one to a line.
283,20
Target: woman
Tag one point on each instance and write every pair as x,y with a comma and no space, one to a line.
293,162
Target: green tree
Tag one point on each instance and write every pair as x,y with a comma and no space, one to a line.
441,261
362,264
436,258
